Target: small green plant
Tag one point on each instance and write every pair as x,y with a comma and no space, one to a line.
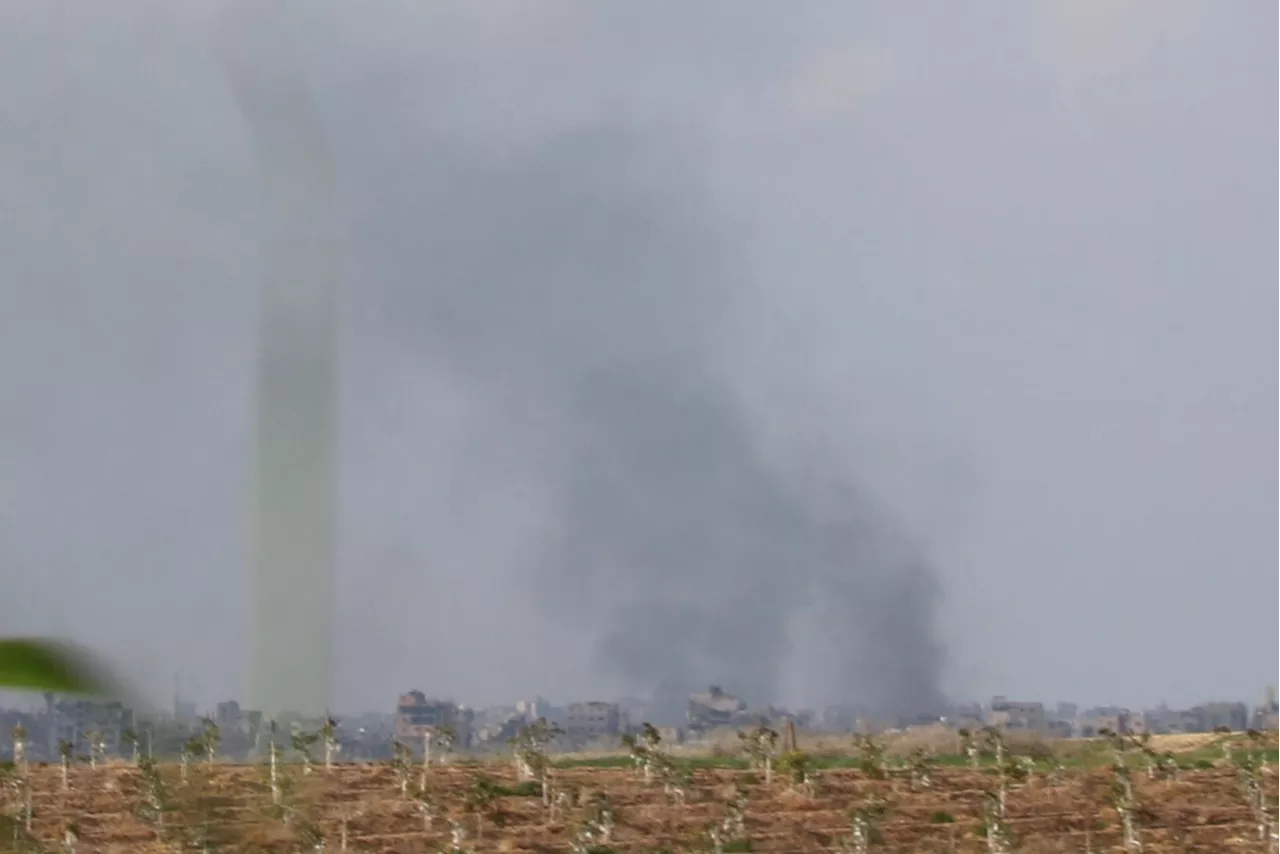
19,733
301,741
994,828
677,779
1123,800
17,837
993,743
1167,767
530,751
192,747
329,741
457,836
310,835
798,768
760,744
870,756
734,825
941,817
97,747
646,750
273,765
295,807
190,816
426,807
1250,770
920,769
445,738
596,831
482,802
344,826
130,739
15,780
636,750
865,824
401,759
153,793
969,746
210,739
65,752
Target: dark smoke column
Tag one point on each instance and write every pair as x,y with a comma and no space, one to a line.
293,501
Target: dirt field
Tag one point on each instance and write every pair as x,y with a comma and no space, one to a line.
1204,810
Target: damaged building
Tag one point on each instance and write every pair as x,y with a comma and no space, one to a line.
714,708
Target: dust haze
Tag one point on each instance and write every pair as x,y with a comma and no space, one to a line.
812,355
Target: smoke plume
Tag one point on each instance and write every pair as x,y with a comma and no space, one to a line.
582,289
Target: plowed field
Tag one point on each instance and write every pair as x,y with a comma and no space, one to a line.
230,807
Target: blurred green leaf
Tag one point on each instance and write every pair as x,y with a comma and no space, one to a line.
38,664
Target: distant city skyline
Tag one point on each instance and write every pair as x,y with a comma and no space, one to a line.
35,701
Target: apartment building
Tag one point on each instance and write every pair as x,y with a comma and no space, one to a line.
592,720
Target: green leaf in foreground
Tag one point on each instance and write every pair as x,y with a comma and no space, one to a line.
38,664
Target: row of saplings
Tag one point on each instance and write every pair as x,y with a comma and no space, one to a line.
190,814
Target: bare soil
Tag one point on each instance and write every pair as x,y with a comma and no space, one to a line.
1203,811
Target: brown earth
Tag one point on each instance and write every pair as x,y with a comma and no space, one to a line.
1203,811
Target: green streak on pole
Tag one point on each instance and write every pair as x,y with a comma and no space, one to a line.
293,498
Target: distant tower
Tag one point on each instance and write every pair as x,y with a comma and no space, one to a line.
293,502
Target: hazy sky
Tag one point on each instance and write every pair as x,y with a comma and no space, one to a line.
1006,270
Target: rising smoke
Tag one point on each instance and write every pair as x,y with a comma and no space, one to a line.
582,289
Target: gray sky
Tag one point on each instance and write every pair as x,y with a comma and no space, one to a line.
1004,270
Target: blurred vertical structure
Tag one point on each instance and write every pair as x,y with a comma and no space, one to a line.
293,495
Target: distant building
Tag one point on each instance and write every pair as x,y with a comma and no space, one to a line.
367,736
1117,721
497,730
1061,729
1267,715
714,708
969,716
592,720
634,711
1233,716
1163,719
416,716
73,719
1263,719
1015,715
539,708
